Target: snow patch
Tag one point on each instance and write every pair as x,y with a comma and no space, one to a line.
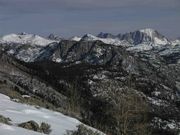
58,60
99,77
156,93
11,52
160,41
175,42
76,38
157,102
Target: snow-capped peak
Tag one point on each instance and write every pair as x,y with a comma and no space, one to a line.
54,37
106,35
155,37
23,33
89,37
150,32
25,38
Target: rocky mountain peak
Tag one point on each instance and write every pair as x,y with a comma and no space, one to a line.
105,35
54,37
147,35
150,32
23,33
89,37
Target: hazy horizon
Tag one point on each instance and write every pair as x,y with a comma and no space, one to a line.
68,18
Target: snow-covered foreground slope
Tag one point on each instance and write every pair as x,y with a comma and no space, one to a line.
30,39
12,130
19,113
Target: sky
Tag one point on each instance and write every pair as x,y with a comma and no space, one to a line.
68,18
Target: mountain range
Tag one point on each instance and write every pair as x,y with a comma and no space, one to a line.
119,84
140,40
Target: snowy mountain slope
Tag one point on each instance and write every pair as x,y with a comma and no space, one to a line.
152,71
148,31
19,113
106,35
176,42
22,52
170,53
156,37
148,36
112,41
54,37
29,47
95,52
13,130
75,38
144,36
140,47
26,39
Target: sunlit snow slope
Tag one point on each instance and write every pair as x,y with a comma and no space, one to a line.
19,113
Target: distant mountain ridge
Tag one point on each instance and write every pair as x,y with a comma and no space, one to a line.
140,36
24,38
30,47
147,36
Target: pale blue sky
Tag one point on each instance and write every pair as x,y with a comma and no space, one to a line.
77,17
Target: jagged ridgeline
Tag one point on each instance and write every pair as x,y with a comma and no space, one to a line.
127,84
